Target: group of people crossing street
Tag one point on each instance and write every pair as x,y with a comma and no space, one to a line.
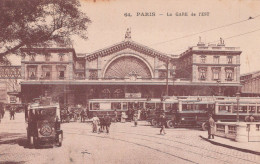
101,124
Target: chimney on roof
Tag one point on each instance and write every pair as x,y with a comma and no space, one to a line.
200,43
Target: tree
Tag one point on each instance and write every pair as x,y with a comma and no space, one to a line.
39,23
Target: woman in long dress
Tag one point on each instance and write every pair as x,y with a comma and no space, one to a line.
123,117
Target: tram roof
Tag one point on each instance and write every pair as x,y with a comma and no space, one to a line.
39,106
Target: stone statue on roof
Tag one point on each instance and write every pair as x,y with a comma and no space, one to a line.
128,33
221,41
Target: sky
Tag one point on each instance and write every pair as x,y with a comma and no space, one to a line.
159,32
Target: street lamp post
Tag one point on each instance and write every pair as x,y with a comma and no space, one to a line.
238,97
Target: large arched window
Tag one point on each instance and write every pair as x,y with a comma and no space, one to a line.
125,66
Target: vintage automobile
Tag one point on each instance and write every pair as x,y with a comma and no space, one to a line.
43,118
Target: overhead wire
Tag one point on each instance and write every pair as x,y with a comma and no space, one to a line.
215,28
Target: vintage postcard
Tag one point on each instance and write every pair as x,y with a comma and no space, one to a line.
129,82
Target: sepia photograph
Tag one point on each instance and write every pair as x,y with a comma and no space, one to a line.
129,81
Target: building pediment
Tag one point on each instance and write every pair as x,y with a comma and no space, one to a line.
128,44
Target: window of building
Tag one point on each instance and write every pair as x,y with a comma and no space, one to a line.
80,75
32,72
47,57
32,58
202,73
93,74
216,59
229,59
229,74
46,72
162,74
80,65
61,74
61,71
216,73
203,59
61,57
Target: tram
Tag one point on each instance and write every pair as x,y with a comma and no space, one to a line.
226,109
100,107
182,111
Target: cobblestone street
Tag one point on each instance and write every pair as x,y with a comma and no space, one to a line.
124,144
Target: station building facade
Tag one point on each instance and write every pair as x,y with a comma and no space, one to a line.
250,84
128,69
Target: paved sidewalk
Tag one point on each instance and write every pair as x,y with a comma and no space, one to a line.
249,147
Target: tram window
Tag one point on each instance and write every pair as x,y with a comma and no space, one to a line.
150,105
175,106
115,105
168,107
223,109
243,109
252,109
140,105
202,107
95,106
124,105
158,105
187,107
258,109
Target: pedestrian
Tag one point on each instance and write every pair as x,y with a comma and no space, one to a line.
115,113
135,118
252,119
101,122
82,116
163,123
247,118
95,122
107,122
211,127
123,117
12,113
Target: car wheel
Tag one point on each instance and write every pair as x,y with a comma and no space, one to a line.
204,126
170,124
153,122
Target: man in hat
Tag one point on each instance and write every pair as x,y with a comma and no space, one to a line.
211,127
163,123
107,122
95,122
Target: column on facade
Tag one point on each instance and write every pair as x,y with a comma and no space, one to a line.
217,108
156,66
237,73
86,69
209,74
70,71
39,71
258,86
180,105
23,76
194,73
222,74
99,66
54,72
